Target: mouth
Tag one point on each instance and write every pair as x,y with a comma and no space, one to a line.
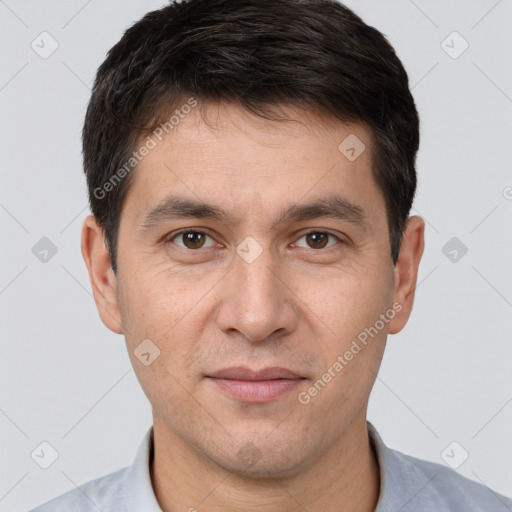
260,386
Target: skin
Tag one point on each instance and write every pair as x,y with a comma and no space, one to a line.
299,305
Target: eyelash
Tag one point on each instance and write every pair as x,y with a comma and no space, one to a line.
171,238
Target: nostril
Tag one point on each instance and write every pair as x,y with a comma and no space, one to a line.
275,334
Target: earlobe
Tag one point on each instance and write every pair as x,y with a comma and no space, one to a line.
101,275
406,271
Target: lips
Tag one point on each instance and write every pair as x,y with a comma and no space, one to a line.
240,373
249,385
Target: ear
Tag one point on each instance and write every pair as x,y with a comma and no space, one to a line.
101,275
406,271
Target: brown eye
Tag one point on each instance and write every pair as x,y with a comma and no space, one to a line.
190,239
317,240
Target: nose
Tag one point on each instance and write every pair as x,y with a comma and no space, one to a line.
256,301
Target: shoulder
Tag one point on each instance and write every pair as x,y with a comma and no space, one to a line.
456,492
103,493
431,486
128,489
410,484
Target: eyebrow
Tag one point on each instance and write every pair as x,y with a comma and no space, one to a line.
174,208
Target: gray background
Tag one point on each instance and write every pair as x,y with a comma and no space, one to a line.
67,380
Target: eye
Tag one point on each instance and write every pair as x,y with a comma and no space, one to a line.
191,240
318,240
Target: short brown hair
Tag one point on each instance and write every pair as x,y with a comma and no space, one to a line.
316,54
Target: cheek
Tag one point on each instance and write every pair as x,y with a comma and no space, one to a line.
169,308
347,309
164,309
352,341
154,302
347,301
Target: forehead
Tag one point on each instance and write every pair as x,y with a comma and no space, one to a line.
249,165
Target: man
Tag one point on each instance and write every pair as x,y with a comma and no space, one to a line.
251,169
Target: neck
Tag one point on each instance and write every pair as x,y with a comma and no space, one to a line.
344,478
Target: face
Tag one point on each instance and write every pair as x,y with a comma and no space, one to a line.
254,259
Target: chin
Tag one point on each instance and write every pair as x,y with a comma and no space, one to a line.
269,462
269,470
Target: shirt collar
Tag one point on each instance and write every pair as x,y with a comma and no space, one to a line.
401,480
138,493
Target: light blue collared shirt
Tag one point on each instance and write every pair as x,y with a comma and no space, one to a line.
407,485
